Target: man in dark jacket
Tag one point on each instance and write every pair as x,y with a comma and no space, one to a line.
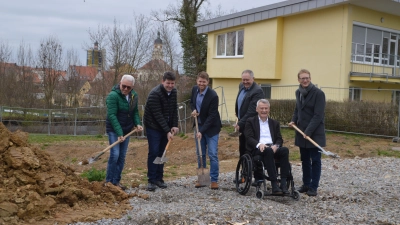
245,107
204,105
264,140
161,123
309,117
122,116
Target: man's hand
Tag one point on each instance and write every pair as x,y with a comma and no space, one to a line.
291,124
198,135
237,127
170,136
274,148
174,130
262,147
139,128
194,113
121,138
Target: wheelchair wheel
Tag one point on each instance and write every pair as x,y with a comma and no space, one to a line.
296,195
260,194
243,176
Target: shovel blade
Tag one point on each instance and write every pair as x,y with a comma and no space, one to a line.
203,176
160,160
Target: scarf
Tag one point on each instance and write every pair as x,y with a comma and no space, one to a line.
304,91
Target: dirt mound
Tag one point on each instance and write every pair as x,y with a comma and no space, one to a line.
36,189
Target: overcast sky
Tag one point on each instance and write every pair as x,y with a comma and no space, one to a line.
69,20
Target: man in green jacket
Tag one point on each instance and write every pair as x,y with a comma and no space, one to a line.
122,116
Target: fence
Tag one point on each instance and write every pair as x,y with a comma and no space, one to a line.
368,111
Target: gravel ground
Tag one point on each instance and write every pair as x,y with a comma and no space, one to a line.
352,191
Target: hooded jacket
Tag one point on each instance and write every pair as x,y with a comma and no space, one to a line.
122,115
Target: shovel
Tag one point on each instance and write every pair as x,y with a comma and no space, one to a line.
236,133
323,151
163,159
93,159
203,174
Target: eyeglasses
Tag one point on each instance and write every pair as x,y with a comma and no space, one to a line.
126,87
304,78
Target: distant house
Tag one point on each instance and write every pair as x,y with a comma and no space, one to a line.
346,44
73,93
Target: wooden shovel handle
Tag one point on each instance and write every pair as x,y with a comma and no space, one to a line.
117,142
198,141
307,137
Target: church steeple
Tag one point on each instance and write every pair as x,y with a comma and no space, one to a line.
157,51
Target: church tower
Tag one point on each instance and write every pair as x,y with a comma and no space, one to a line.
157,51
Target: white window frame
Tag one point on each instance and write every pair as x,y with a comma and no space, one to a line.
225,36
352,93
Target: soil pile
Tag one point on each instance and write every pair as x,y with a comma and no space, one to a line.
35,189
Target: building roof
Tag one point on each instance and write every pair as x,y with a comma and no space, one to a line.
85,72
287,8
156,64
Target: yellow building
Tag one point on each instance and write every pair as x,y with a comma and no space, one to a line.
351,48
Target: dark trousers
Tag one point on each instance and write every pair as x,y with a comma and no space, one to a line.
311,165
157,141
268,157
242,143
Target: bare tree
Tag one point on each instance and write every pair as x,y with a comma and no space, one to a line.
171,48
5,55
25,77
128,46
49,62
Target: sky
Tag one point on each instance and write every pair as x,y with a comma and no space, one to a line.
31,21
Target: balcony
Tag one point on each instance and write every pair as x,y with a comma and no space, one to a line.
375,68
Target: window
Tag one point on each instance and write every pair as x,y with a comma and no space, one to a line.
395,97
375,46
230,44
267,90
354,94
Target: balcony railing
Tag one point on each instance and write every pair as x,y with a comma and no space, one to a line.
375,65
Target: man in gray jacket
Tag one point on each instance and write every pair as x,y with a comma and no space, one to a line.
246,102
309,117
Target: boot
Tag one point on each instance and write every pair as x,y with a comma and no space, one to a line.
284,186
275,189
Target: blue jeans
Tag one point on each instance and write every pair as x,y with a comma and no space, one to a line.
311,165
157,142
210,144
116,161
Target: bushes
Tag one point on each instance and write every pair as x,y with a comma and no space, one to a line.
367,117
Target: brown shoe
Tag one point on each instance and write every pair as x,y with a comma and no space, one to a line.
214,185
198,185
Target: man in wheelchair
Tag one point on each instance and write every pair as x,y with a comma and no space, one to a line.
264,141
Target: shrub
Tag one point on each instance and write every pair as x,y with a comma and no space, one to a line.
94,175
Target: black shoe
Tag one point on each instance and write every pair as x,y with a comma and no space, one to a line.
275,189
303,189
311,192
120,186
151,187
284,187
161,184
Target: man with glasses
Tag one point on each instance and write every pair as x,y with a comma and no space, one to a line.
161,122
122,116
309,117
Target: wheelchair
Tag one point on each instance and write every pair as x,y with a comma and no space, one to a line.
244,176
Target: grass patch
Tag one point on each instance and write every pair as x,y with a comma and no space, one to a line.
228,128
294,156
94,174
46,139
388,153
